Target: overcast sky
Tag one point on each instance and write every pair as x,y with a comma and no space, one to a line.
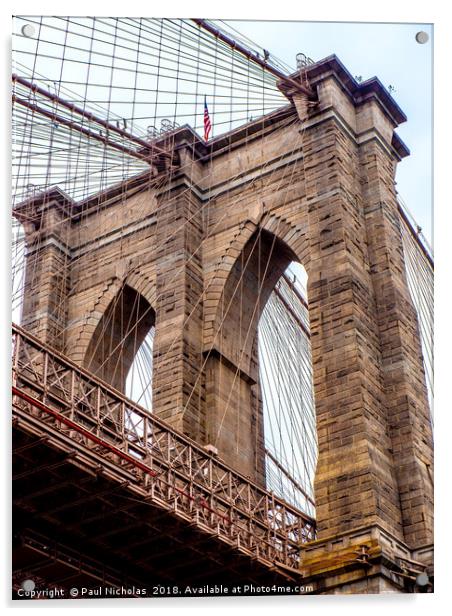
388,51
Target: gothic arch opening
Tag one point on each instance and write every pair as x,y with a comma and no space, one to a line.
260,404
118,337
286,385
140,376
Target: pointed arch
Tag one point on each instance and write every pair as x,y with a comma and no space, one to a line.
253,275
232,365
118,336
79,335
292,234
290,231
143,280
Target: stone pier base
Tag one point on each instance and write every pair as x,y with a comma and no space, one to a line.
368,560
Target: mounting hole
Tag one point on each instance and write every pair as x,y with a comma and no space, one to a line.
422,579
28,30
28,585
422,37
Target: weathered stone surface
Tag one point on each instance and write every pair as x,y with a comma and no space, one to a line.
201,251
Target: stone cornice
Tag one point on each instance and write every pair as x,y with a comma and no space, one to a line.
29,208
186,137
359,92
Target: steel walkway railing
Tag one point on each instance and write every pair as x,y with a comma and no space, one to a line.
175,472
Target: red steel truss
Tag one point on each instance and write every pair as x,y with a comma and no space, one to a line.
168,469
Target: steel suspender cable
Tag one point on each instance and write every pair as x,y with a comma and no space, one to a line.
96,105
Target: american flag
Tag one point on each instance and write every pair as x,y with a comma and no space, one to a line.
207,124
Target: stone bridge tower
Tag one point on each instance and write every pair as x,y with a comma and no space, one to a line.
308,183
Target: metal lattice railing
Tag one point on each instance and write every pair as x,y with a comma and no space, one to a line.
174,472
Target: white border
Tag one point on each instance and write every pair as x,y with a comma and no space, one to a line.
391,11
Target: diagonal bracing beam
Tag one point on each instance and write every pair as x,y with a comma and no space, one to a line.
84,131
202,23
84,114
